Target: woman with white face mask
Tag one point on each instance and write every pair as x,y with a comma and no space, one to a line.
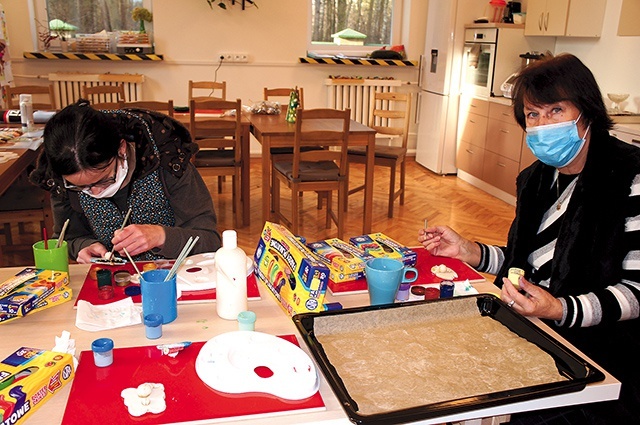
98,164
576,233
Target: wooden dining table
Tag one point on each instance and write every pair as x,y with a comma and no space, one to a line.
244,153
273,131
12,169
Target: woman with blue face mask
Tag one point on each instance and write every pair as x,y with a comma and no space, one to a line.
576,232
99,164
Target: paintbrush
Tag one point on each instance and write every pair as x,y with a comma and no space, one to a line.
62,232
124,223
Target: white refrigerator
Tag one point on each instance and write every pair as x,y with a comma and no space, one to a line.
440,69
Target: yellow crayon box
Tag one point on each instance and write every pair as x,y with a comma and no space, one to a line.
25,297
28,378
380,245
60,296
293,275
345,261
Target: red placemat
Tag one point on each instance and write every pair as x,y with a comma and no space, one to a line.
95,392
89,290
424,263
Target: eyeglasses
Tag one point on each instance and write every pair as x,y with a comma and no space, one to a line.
100,184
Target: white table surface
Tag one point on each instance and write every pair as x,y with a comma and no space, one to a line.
199,322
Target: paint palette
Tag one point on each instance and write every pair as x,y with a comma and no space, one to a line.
246,362
198,272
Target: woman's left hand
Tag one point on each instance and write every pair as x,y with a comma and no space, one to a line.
138,238
537,301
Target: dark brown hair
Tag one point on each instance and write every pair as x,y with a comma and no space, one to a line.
561,78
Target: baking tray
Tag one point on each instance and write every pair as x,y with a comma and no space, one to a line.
577,371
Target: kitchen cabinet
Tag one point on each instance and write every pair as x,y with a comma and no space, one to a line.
629,133
490,146
570,18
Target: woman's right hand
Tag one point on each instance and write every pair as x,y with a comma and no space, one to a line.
446,242
95,250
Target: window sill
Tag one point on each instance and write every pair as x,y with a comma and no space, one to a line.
354,61
93,56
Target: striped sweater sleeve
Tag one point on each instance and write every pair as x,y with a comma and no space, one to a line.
491,258
616,302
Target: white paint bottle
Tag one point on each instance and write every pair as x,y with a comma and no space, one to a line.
26,112
231,277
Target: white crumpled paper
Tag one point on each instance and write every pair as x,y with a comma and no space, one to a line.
64,344
94,318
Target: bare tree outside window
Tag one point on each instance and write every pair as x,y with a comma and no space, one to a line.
92,16
371,18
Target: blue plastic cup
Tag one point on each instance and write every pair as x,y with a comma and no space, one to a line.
158,296
384,276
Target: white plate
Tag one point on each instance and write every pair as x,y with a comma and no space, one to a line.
231,363
198,272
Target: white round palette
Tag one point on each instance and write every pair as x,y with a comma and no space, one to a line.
247,361
198,272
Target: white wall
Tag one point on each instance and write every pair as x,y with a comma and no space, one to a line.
614,60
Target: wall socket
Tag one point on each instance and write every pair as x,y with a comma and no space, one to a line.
234,57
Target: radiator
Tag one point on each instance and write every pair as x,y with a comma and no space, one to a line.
357,95
68,86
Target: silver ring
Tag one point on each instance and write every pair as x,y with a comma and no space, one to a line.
511,303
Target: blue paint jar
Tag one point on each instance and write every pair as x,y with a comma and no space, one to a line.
446,289
153,326
246,321
102,352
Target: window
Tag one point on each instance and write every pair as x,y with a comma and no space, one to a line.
92,16
88,16
353,26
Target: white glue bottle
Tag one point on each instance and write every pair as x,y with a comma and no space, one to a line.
26,112
231,277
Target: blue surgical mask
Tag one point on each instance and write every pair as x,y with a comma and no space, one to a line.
556,144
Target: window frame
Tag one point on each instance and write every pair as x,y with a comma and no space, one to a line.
334,49
38,12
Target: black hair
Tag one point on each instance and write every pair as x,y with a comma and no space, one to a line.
561,78
78,138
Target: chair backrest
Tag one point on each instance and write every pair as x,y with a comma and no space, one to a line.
390,114
104,96
43,97
216,133
324,128
206,90
152,105
284,93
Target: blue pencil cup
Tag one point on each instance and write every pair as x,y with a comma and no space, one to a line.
158,296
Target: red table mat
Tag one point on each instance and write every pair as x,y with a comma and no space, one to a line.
95,392
424,263
89,290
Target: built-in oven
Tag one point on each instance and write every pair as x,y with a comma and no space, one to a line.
479,61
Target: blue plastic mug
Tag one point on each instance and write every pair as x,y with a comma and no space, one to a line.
158,296
384,276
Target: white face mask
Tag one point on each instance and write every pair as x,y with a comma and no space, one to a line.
109,191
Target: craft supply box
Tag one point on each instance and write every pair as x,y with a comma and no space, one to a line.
295,277
26,297
379,245
28,378
61,295
345,261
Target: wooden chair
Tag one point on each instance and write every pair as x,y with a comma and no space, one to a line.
389,117
283,95
210,87
105,96
43,97
220,141
321,170
21,204
152,105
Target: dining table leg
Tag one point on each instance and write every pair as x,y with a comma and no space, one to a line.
245,188
368,186
266,179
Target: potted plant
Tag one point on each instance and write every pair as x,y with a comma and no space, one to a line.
142,14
